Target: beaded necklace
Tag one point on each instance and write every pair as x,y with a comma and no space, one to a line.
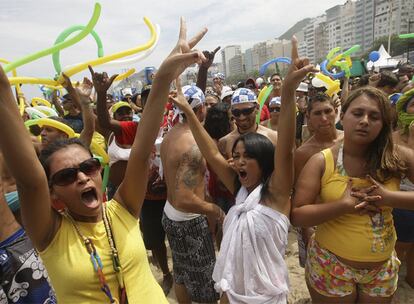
96,259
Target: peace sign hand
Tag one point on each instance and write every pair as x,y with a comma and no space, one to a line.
182,56
298,69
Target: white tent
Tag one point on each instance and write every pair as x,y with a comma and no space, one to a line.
385,61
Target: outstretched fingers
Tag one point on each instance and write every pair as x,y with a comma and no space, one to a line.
295,53
193,41
183,29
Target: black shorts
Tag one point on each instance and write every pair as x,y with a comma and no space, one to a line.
23,277
193,256
151,226
404,225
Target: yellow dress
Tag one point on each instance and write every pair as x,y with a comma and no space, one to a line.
71,271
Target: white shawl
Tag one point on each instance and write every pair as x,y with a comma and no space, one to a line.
250,267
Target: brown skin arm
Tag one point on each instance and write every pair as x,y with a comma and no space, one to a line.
102,83
40,222
9,224
396,199
305,211
130,193
281,181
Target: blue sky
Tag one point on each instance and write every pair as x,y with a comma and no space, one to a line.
28,26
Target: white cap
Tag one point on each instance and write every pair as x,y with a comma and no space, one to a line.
226,91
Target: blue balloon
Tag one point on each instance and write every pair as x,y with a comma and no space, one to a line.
327,73
374,56
263,68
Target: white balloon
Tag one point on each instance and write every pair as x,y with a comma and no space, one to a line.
129,61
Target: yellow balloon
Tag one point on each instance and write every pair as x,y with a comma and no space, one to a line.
32,80
82,66
37,101
331,85
124,75
95,147
51,123
18,90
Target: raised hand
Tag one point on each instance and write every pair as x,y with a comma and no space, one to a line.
298,69
84,90
209,57
179,100
101,81
67,84
182,56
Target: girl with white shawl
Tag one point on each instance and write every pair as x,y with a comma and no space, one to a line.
250,267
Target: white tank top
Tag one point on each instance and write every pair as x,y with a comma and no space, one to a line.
116,153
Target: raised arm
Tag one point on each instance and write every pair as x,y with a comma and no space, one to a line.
132,190
102,82
206,144
281,181
202,71
39,220
84,91
80,96
57,104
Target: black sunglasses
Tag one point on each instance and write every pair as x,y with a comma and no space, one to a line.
274,110
68,175
245,112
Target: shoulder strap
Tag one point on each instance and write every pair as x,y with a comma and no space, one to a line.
329,165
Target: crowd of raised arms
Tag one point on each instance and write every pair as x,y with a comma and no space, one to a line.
223,176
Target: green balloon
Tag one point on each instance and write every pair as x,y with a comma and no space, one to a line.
406,36
64,35
265,95
60,46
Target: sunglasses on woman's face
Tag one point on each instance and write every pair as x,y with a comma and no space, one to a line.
274,110
69,175
245,112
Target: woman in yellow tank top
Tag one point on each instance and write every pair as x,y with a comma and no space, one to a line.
93,252
351,258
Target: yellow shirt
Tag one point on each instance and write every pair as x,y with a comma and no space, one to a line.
355,237
71,271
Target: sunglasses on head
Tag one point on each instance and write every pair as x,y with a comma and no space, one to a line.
245,112
69,175
274,110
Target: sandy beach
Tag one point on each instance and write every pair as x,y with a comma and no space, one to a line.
298,291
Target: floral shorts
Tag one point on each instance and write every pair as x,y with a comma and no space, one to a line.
332,278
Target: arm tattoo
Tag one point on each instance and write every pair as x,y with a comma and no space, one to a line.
191,169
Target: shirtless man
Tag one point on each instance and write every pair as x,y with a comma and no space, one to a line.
244,108
320,114
189,220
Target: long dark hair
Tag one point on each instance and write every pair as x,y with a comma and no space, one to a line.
260,148
383,161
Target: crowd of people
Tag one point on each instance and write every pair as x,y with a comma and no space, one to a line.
221,176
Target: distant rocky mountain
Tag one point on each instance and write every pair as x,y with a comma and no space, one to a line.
294,29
